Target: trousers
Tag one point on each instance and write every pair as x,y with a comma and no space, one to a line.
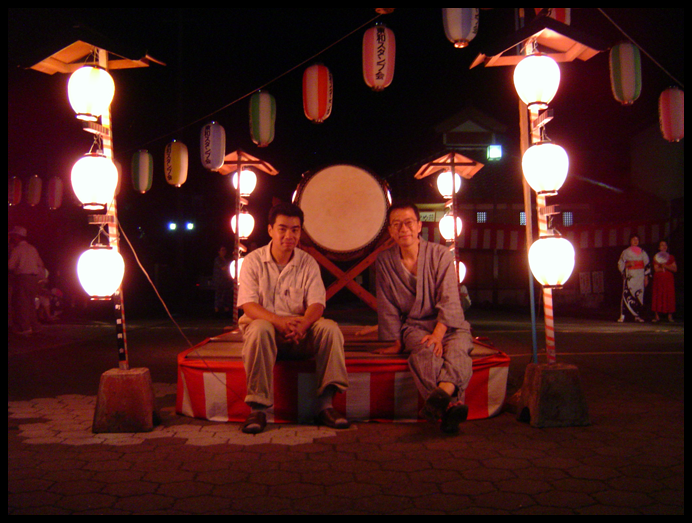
428,370
261,348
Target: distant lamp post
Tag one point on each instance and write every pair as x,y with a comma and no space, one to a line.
94,181
536,79
248,182
90,91
545,167
551,261
100,270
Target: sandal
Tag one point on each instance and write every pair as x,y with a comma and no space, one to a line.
255,422
436,405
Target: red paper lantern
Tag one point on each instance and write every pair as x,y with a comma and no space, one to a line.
14,191
671,114
625,72
33,190
318,90
379,49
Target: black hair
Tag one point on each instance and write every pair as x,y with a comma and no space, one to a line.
403,204
285,209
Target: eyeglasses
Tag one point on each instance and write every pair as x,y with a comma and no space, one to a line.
410,224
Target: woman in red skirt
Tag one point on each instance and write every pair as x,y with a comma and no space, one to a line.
663,300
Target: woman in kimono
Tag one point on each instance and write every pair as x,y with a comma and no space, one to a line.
663,297
418,309
634,267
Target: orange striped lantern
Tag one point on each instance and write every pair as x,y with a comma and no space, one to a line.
33,190
379,49
14,191
671,114
262,118
461,24
142,170
175,163
625,72
212,146
318,91
55,191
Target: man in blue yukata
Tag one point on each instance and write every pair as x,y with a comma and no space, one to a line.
418,309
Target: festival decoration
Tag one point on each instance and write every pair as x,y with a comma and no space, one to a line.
142,170
94,180
671,114
461,24
90,91
545,167
33,190
55,189
551,261
536,79
212,146
625,72
447,227
444,184
262,118
247,224
318,91
14,191
379,51
100,270
176,163
248,182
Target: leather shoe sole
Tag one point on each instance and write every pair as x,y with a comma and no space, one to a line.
331,418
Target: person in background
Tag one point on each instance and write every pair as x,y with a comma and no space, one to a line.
24,265
663,293
634,267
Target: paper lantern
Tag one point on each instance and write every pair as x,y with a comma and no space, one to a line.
262,118
318,91
176,162
444,184
671,114
461,271
247,224
33,190
100,270
551,261
14,191
90,91
212,146
447,227
625,72
248,182
142,170
379,50
54,196
461,24
231,267
94,181
536,79
545,167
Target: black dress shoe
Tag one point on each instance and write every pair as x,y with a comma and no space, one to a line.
331,418
453,417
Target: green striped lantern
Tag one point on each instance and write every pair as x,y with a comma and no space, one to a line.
625,72
262,118
142,170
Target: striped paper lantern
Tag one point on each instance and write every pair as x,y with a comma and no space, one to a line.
262,118
461,24
625,72
55,190
212,146
33,190
671,114
14,191
318,91
379,50
175,163
142,170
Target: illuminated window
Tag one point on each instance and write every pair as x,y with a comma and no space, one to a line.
481,217
522,218
567,219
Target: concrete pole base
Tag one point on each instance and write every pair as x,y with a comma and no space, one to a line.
125,402
551,396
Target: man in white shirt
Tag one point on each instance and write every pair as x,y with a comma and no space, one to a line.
283,297
24,264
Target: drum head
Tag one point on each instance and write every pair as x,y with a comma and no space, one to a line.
345,209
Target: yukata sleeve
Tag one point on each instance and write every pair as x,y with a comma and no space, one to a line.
388,314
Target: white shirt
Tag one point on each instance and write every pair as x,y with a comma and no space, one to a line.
24,259
288,292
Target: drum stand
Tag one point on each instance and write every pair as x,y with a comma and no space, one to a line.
347,279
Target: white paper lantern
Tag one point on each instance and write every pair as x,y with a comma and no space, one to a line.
100,270
536,79
551,261
545,167
94,181
90,91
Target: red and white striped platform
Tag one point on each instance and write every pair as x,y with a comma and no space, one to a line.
211,383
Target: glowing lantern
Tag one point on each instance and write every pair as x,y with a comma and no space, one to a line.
248,182
212,146
90,91
461,24
318,91
625,72
671,114
231,267
447,227
142,170
461,270
444,184
379,50
262,118
100,270
536,79
551,261
247,224
94,180
175,165
33,190
545,167
14,191
55,192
